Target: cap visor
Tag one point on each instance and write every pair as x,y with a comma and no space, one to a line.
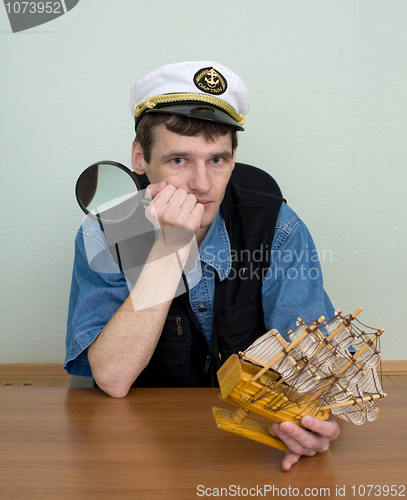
202,112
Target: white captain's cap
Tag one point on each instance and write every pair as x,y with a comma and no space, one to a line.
200,89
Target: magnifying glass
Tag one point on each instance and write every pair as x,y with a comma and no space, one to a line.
110,193
107,191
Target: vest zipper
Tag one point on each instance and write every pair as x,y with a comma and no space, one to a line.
178,319
208,362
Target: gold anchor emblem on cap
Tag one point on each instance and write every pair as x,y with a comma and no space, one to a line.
211,81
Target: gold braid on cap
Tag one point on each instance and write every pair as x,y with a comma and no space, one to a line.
151,103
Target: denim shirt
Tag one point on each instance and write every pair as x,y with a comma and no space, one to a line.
292,286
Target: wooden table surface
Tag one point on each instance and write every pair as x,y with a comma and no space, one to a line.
60,444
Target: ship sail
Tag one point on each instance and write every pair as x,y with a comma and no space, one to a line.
371,357
370,384
268,347
351,414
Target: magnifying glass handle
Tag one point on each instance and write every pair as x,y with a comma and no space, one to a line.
146,202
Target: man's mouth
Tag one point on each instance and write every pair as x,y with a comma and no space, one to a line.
205,203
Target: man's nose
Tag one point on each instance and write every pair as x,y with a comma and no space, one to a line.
199,180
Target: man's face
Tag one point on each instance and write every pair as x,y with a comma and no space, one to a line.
199,167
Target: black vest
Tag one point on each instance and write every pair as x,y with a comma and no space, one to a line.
182,357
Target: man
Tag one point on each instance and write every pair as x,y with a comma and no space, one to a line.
253,271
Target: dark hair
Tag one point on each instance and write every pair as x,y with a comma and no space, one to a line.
182,125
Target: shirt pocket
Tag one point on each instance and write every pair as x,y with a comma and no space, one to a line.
173,345
238,327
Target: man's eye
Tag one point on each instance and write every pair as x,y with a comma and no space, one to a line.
217,160
177,161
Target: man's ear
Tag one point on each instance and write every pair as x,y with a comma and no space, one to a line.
137,158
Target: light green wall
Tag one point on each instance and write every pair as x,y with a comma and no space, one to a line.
328,119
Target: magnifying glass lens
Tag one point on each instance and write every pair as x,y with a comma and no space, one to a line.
108,192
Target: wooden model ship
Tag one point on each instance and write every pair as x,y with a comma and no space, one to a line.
311,374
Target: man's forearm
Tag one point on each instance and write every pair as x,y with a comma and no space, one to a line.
125,346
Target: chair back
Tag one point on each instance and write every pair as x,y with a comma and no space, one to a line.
255,179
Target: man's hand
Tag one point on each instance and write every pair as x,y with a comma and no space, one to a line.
302,442
174,207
